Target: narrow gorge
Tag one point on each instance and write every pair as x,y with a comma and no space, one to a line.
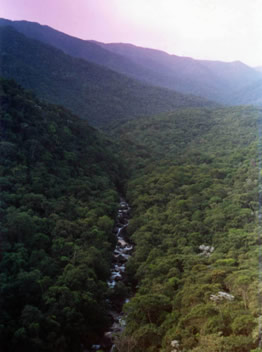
122,253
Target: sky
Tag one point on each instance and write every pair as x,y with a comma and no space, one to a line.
226,30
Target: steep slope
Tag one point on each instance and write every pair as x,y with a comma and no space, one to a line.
194,196
251,94
58,203
212,79
258,68
75,47
92,91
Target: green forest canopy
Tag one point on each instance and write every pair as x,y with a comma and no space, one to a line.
59,181
92,91
192,185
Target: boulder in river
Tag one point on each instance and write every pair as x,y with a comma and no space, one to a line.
122,242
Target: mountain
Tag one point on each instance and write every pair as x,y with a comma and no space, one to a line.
251,94
258,68
211,79
93,92
75,47
190,177
59,198
193,189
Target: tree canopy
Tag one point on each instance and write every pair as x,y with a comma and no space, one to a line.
59,180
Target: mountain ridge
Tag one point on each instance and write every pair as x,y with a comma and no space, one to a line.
221,77
215,80
93,92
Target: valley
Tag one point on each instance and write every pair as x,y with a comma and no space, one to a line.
173,267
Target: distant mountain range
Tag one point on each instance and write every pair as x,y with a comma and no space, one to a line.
92,91
214,80
250,95
189,175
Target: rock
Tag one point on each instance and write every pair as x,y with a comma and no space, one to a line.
221,296
128,249
206,250
108,334
123,205
125,256
111,284
121,258
120,268
122,242
121,255
175,345
116,276
117,251
116,327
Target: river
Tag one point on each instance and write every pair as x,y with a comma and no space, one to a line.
122,253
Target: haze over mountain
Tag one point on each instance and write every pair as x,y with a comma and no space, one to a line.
190,247
214,80
94,92
76,47
252,94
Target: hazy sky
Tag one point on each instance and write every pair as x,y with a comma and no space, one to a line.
225,30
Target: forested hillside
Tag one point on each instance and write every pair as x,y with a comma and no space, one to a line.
215,80
193,188
252,94
190,175
194,195
59,180
92,91
211,79
84,49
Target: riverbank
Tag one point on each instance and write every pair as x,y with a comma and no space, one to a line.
117,281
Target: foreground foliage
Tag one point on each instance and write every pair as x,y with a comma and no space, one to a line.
196,183
58,181
194,195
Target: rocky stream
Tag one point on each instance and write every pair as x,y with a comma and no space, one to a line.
122,252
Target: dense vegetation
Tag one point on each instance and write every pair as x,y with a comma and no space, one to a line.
211,79
195,183
92,91
58,180
192,186
214,80
91,51
250,95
